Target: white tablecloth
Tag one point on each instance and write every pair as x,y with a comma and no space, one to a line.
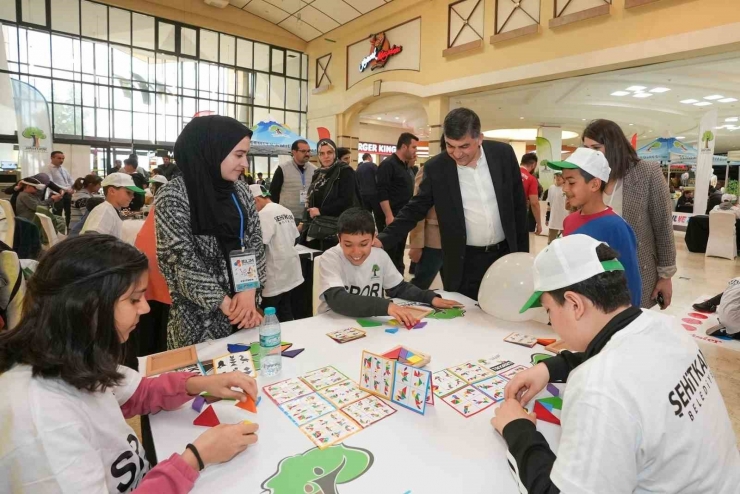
439,452
130,230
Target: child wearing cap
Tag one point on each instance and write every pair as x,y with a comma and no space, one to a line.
279,234
585,175
118,189
641,412
28,199
354,275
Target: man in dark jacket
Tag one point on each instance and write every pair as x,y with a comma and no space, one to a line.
129,167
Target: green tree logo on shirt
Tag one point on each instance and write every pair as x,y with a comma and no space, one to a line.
376,268
319,471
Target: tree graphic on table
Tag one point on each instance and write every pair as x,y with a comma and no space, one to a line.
34,133
319,471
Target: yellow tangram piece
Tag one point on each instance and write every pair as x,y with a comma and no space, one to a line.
415,359
394,322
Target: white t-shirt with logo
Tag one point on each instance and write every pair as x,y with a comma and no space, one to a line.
283,263
645,415
728,311
104,219
55,438
376,274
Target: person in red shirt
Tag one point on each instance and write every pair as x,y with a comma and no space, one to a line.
531,188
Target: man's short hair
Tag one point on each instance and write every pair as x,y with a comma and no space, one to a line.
607,291
529,158
54,153
366,157
259,174
405,139
294,147
356,221
461,122
131,162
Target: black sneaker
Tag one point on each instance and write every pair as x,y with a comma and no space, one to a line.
705,306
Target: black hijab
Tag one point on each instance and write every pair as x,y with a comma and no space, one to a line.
201,147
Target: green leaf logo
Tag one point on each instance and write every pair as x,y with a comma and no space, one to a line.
34,133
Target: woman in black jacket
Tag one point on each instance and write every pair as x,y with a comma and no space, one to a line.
332,191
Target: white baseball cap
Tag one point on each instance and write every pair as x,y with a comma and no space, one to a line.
259,190
588,160
121,180
158,179
565,262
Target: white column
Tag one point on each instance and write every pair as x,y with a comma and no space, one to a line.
520,149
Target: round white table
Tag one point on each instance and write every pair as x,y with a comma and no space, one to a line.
440,451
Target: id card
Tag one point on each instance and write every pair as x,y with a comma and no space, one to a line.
243,265
303,197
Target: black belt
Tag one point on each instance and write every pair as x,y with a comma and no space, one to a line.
488,248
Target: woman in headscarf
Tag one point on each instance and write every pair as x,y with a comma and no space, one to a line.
333,190
207,222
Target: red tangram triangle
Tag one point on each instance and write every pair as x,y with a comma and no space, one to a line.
393,354
544,414
208,418
248,405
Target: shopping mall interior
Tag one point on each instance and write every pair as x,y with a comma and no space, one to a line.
108,79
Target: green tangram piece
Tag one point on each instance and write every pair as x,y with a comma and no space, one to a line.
447,313
368,323
319,470
555,401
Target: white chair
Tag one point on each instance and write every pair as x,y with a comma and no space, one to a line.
9,220
316,283
48,226
722,240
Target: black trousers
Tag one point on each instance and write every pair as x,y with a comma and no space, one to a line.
477,262
396,253
371,203
150,335
282,304
66,204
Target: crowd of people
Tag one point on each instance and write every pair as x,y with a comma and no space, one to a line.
216,250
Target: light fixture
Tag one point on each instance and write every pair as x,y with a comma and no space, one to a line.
620,93
731,119
397,118
631,125
660,90
636,88
680,137
702,103
523,134
380,118
728,100
714,97
521,118
642,95
689,101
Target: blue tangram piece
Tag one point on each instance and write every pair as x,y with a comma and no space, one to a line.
392,330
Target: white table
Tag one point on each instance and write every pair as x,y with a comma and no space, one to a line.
438,452
130,230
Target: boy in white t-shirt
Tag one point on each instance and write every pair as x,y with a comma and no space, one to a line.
118,189
641,411
283,263
354,275
556,200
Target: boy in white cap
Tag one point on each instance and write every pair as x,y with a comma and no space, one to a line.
118,189
641,412
585,175
279,234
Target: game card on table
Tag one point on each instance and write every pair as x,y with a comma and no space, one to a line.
368,410
324,377
509,373
445,382
493,387
471,372
468,401
494,364
330,429
347,334
235,362
376,374
306,408
410,387
287,390
343,393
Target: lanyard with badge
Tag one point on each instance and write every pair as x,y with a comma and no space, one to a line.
243,263
304,193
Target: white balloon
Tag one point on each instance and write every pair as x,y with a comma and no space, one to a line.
507,285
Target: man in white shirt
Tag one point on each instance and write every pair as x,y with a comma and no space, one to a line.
556,200
279,235
477,190
118,189
641,412
60,176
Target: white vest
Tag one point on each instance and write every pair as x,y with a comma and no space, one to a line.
290,193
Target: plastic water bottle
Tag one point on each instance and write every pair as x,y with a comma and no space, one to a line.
271,362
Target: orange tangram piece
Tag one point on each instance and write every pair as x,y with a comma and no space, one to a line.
248,405
207,418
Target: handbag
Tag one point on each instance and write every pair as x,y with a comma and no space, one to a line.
322,226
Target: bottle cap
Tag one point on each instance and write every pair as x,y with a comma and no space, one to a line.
270,311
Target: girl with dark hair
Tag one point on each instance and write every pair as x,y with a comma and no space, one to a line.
64,428
333,190
638,192
85,188
205,219
344,155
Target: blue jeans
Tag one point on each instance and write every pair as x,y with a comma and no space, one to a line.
427,267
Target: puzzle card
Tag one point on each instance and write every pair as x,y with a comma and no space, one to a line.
494,364
287,390
324,377
468,401
445,382
521,339
306,408
330,429
343,393
493,387
368,410
509,373
376,374
347,334
410,387
235,362
471,372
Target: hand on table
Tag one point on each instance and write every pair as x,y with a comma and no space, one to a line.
664,286
444,303
509,411
314,212
415,254
402,315
219,385
526,384
222,443
243,310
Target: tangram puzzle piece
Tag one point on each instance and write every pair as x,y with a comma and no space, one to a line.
546,341
368,323
394,322
544,414
198,403
207,418
248,405
554,402
292,353
392,331
414,360
394,354
403,353
553,390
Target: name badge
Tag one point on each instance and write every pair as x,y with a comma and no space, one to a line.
243,266
303,197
